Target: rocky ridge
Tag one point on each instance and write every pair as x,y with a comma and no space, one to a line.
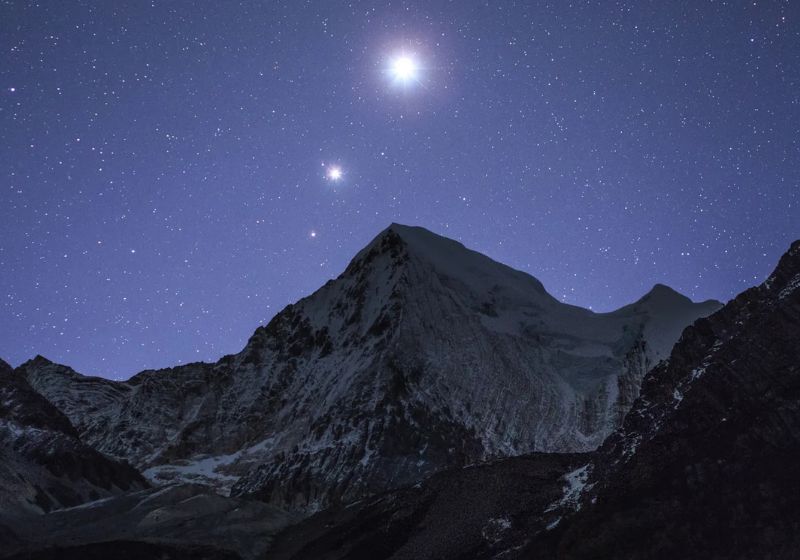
43,463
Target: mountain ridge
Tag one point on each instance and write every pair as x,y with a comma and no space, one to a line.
411,361
44,463
418,234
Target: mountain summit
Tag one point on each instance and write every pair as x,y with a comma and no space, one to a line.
704,465
421,355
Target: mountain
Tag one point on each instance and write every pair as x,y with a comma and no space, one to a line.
43,463
704,466
422,355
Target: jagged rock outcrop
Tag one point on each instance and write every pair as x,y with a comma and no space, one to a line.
43,463
422,355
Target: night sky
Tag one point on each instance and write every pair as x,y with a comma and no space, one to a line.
169,168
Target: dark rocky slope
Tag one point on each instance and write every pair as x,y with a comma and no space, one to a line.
177,521
127,550
43,463
706,465
470,513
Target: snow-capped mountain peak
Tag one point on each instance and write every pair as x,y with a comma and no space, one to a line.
421,355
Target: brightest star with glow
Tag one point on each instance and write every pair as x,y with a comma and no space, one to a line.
404,69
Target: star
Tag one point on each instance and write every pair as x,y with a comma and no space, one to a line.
334,173
404,69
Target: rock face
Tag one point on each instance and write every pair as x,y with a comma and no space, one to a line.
705,465
422,355
43,463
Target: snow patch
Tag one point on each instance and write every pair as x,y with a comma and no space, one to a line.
631,445
576,483
553,524
203,469
791,286
87,505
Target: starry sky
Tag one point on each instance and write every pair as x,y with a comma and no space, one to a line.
166,166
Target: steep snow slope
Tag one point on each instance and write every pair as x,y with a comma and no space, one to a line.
422,355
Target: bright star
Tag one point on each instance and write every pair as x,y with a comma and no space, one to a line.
334,173
404,69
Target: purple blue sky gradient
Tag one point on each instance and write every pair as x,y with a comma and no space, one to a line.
164,164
